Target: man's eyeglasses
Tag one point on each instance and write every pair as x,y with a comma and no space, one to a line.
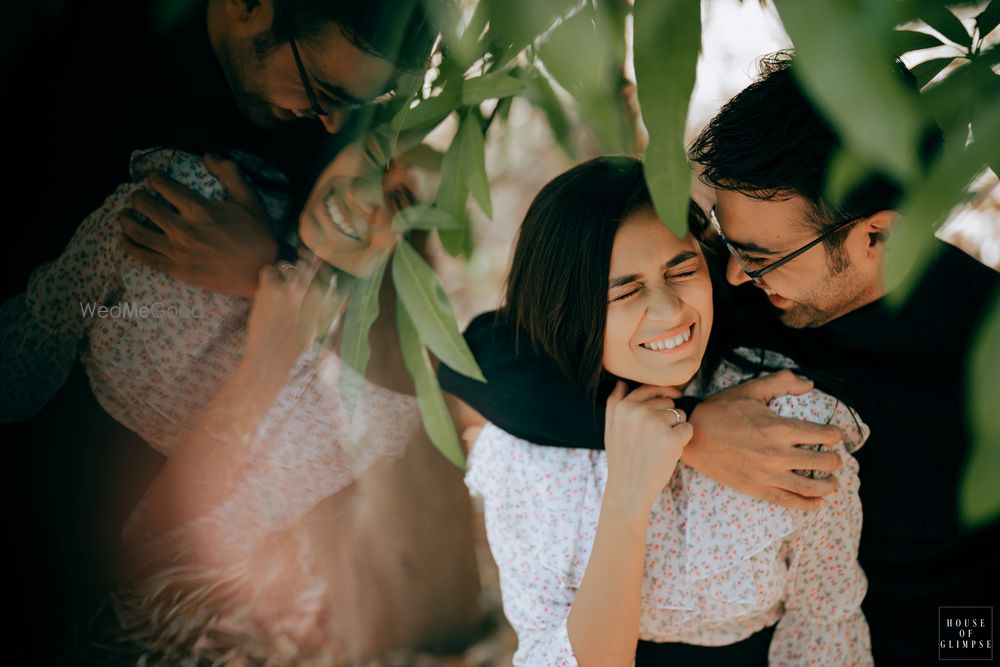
756,275
333,106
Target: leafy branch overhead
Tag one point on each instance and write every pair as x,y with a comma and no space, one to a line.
568,59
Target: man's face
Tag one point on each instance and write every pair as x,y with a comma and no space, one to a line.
811,289
268,88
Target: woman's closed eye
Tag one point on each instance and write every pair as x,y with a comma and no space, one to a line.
755,261
630,293
682,272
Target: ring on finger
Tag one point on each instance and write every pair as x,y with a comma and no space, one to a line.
284,267
678,416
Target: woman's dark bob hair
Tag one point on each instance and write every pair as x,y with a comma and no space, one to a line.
556,292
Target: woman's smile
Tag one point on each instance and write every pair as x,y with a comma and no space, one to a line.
672,341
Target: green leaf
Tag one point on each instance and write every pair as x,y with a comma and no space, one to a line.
586,56
988,19
514,24
979,500
433,411
422,217
421,292
355,350
845,88
423,156
924,72
503,108
952,99
490,86
466,49
429,112
452,195
911,40
945,22
455,241
540,93
167,14
665,82
473,159
847,170
930,201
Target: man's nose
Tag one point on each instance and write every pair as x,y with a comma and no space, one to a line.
333,122
735,275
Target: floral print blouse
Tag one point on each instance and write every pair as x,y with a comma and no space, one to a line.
155,373
152,372
720,565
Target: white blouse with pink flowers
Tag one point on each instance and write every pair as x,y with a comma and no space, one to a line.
720,565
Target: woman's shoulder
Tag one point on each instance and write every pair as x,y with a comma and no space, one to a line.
189,169
503,463
816,405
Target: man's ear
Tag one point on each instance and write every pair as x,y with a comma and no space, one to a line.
256,15
878,227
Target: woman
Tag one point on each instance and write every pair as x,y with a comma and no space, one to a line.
599,549
257,539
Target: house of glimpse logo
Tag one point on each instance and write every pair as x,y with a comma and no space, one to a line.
131,311
965,633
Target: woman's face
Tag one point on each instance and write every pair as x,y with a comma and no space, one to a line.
347,220
659,304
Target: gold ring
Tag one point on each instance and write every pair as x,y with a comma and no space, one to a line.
285,266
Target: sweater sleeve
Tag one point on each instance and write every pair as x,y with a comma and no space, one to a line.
40,329
525,394
822,623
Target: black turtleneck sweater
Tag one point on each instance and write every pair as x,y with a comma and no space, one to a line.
904,370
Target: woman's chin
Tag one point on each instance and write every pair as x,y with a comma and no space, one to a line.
679,374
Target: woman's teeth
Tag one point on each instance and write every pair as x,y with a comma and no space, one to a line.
769,292
335,216
669,343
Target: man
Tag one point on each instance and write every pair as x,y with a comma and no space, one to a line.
88,84
807,282
270,77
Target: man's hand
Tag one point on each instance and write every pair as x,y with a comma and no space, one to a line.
740,443
218,245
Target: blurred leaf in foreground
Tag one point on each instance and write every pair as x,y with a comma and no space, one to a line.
433,411
420,291
664,88
980,496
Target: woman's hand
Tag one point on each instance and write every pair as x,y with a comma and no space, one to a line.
286,315
644,436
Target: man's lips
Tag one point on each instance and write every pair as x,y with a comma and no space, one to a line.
776,299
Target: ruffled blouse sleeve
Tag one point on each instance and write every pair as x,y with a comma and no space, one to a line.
822,623
536,598
40,329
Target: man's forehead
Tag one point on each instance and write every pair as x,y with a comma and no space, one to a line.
341,67
761,225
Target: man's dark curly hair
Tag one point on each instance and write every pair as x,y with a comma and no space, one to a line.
771,142
401,31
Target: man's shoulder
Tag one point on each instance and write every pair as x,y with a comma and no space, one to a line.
966,266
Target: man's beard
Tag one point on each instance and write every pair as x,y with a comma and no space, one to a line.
244,71
841,293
